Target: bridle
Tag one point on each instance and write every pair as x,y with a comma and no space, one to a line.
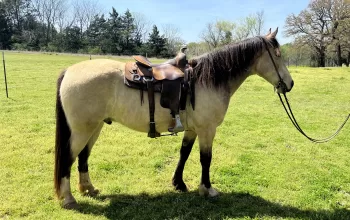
281,85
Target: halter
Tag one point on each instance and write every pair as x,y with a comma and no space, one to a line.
281,84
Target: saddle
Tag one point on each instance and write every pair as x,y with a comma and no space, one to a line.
171,79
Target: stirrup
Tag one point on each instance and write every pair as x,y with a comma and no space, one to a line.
178,127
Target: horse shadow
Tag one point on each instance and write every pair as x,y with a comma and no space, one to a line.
174,205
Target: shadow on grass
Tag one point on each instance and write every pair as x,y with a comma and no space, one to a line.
192,206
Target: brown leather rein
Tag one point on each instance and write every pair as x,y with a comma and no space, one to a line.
289,111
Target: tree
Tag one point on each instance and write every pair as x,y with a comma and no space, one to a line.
47,11
97,31
16,10
245,28
173,39
127,33
250,26
114,39
196,49
84,11
344,38
338,13
156,43
318,25
72,39
218,33
142,28
259,24
65,17
5,30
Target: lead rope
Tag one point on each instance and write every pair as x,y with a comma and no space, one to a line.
296,125
289,111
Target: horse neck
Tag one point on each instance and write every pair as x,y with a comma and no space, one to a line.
236,82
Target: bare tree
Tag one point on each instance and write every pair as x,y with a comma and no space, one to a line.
249,26
47,11
338,12
323,25
65,17
196,49
344,38
259,24
142,26
311,27
173,39
245,28
218,33
84,11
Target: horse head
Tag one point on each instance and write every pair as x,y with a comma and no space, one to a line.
270,65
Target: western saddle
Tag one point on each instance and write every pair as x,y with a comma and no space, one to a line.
171,79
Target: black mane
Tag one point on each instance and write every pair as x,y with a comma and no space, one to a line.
218,67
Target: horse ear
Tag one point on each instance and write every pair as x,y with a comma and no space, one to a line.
268,34
273,34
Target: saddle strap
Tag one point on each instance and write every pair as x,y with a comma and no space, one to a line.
152,133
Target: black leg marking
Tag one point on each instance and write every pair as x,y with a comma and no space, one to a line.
83,160
205,158
185,151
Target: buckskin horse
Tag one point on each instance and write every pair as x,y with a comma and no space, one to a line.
93,92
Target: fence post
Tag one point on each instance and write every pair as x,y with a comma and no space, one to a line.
3,62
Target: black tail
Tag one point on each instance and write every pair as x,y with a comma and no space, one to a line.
62,149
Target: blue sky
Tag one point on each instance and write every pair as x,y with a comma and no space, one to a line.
191,16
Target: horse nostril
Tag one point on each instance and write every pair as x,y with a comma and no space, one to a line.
292,84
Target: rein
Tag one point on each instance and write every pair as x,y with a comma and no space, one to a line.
289,111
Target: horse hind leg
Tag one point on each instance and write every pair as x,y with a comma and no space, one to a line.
187,143
85,185
78,141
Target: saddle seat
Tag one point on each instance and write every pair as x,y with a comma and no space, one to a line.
159,72
179,61
170,70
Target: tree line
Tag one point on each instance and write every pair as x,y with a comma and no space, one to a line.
80,27
321,32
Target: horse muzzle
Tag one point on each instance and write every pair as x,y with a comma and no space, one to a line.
283,88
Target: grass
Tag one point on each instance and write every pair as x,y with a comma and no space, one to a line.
263,168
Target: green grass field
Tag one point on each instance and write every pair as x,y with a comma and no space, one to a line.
262,166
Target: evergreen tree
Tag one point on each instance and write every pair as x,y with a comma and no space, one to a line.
96,31
114,40
156,43
72,39
5,30
16,10
128,32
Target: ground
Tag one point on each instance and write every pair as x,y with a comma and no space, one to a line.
262,166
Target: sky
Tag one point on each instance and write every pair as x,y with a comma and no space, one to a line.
191,16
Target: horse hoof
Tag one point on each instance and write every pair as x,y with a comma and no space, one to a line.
92,193
204,191
88,190
181,186
73,205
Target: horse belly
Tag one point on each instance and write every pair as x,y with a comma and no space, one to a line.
130,112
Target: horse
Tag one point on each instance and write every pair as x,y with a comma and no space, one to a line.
92,92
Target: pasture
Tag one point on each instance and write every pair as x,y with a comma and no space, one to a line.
263,168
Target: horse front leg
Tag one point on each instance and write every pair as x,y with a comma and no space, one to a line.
186,147
205,144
